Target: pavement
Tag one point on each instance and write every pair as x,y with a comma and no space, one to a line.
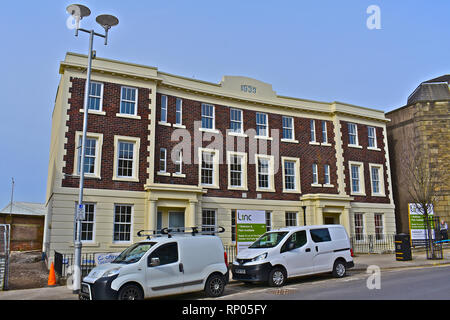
362,262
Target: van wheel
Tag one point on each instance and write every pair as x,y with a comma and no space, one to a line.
339,269
277,277
130,292
215,285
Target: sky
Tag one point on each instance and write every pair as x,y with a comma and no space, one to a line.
319,50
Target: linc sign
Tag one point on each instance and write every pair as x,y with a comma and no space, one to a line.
250,225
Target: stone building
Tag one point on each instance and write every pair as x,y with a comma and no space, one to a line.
424,122
165,150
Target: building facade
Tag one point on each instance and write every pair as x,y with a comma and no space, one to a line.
165,150
424,124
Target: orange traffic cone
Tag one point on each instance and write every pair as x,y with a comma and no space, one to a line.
51,276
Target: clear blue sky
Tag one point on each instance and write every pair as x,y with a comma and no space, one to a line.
320,50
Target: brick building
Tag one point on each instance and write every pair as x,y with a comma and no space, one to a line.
424,123
165,150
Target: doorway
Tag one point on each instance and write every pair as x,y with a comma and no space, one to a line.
176,219
331,218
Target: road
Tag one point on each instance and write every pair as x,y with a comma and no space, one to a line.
425,283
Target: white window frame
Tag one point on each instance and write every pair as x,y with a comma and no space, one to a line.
163,110
135,101
241,122
292,128
315,176
379,235
213,117
355,126
215,175
327,173
179,162
137,142
271,183
98,154
266,125
179,103
361,183
296,161
362,227
374,137
312,131
93,222
324,132
100,110
289,218
243,157
131,222
208,226
163,160
381,190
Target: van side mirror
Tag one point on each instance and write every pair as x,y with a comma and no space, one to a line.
290,246
154,262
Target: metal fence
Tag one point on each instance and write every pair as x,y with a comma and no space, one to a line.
4,255
64,262
231,253
372,243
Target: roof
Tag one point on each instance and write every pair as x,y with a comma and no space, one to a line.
436,89
25,208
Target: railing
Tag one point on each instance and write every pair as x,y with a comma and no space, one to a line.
64,264
231,253
372,243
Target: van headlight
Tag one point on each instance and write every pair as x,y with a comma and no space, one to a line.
260,257
111,272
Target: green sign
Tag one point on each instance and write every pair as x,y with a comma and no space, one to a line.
250,225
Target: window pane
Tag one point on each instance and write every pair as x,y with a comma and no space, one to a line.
352,133
289,175
163,108
125,159
207,169
122,223
263,173
128,102
208,219
178,119
320,235
355,178
287,128
167,253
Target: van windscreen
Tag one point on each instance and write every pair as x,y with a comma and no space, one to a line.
268,240
134,253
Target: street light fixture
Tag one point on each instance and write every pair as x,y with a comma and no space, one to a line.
78,12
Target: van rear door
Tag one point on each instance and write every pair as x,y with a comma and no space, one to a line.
322,248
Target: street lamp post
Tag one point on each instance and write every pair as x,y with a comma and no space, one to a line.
78,12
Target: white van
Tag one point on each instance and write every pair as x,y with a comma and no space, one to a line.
294,251
163,265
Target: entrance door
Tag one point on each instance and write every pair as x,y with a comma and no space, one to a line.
176,220
331,219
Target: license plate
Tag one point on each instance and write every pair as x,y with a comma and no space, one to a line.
240,271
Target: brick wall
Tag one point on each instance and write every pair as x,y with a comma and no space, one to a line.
109,125
307,153
366,156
